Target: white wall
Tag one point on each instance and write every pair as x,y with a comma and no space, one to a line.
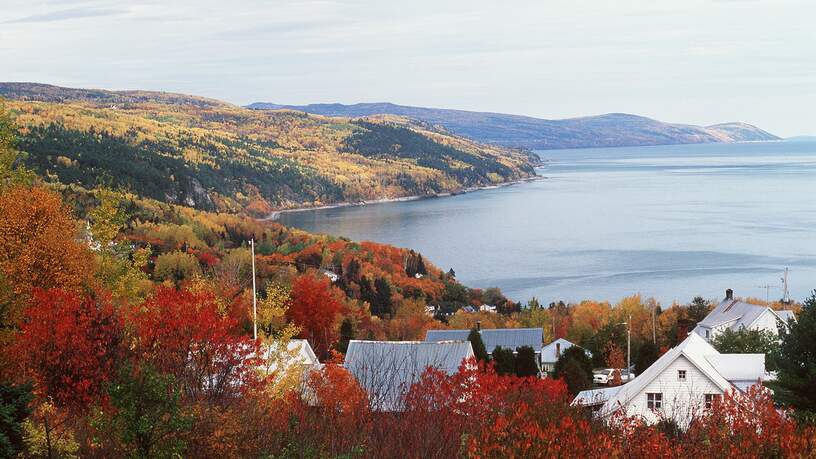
680,399
766,321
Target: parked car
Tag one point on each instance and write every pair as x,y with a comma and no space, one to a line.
603,377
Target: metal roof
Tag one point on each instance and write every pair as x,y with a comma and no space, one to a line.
387,369
507,338
736,314
595,396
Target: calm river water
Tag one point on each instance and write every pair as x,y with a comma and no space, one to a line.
670,222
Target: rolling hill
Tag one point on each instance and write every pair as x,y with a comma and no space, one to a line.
211,155
610,130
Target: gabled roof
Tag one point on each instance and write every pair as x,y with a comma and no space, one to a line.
298,352
719,368
507,338
738,367
548,352
785,315
387,369
735,314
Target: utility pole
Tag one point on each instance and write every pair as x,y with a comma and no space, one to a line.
629,348
254,295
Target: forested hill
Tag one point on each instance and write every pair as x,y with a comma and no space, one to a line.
610,130
211,155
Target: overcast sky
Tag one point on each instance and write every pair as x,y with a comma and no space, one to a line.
692,61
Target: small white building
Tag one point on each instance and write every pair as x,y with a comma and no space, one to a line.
552,352
732,314
679,385
388,369
297,356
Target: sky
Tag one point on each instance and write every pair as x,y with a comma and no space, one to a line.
688,61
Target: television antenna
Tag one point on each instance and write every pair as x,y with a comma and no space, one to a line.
767,288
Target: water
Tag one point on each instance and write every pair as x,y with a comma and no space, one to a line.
670,222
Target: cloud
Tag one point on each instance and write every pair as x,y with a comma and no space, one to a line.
65,15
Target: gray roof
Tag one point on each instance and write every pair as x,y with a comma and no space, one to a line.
387,369
507,338
593,397
786,315
734,314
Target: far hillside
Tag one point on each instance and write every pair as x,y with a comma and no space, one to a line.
610,130
212,155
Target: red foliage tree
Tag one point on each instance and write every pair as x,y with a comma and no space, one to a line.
183,333
315,305
70,347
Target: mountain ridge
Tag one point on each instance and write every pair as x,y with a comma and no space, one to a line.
519,131
216,156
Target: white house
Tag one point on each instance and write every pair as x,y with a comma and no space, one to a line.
507,338
387,369
680,384
552,352
732,314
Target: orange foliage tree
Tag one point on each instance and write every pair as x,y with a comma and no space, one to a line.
39,248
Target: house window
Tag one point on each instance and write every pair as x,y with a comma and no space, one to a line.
654,401
681,375
707,334
709,400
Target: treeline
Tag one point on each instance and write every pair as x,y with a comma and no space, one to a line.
385,140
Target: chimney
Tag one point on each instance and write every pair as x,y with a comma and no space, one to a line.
478,325
729,294
557,350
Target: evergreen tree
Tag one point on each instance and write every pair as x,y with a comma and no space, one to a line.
526,362
352,271
382,305
575,377
367,292
698,309
14,410
347,334
797,363
476,342
504,360
646,356
575,368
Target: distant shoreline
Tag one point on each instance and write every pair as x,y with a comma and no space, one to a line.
275,215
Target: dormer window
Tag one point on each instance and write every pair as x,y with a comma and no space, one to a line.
681,375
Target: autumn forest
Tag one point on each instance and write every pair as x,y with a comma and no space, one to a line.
126,306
